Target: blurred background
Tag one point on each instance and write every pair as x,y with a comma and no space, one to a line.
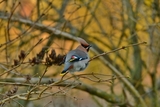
33,30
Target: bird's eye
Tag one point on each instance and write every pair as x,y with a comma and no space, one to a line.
85,46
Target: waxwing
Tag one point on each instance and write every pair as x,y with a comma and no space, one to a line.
78,59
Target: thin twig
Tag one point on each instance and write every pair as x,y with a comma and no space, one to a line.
123,47
23,59
8,33
42,75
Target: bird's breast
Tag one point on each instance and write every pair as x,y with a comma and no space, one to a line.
80,65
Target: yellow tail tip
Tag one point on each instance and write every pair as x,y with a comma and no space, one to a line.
63,73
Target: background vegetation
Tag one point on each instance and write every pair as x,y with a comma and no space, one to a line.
36,34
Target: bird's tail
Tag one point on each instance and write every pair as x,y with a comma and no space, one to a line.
63,72
66,69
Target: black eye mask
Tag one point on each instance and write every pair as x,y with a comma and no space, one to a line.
87,47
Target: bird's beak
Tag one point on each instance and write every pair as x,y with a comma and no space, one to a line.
88,48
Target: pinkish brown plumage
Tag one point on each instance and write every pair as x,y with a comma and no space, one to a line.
84,43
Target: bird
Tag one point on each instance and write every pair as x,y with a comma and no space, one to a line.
78,59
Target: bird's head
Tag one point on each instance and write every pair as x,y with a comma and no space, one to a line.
84,43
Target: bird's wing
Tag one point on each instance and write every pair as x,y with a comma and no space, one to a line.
77,55
75,58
